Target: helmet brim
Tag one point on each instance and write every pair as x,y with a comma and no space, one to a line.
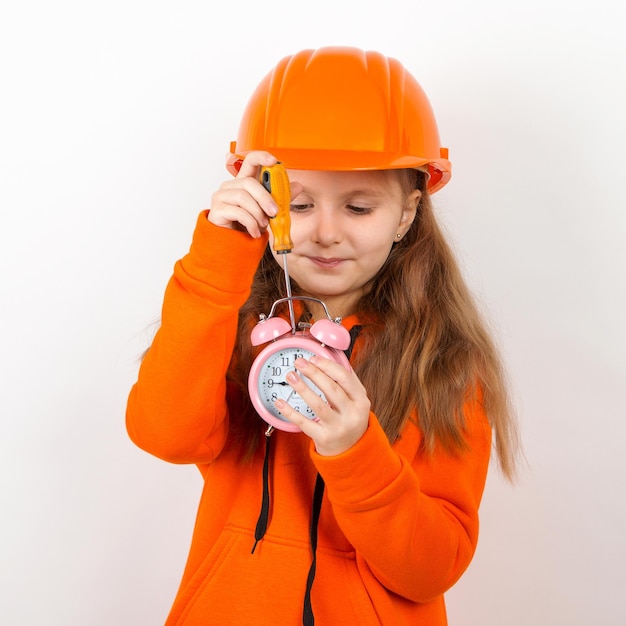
352,160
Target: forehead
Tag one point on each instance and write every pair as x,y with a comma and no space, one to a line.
377,182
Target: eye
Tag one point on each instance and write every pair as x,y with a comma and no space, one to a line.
300,207
358,210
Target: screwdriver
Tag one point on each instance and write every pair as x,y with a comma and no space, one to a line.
275,180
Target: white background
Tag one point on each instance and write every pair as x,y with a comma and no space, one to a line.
115,119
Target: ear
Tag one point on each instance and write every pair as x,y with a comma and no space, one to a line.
409,212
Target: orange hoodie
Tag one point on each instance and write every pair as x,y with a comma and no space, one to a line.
397,526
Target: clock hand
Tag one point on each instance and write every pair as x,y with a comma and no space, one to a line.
290,393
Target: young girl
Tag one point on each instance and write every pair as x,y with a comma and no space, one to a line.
368,513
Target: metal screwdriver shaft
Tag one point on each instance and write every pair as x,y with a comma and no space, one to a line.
292,315
276,182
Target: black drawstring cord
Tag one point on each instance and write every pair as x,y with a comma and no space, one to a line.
355,331
307,614
261,525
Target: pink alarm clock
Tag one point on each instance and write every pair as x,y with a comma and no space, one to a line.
267,382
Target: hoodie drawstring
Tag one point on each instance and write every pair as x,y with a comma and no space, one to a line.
318,494
261,525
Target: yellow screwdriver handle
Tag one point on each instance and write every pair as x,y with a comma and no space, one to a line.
274,179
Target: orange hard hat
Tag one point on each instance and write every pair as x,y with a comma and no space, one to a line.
340,108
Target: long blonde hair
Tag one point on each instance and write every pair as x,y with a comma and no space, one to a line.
424,346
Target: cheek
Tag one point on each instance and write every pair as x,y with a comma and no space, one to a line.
377,240
299,230
376,249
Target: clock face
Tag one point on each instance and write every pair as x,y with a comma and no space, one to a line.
267,379
272,384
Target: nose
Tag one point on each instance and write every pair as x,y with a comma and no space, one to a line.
327,229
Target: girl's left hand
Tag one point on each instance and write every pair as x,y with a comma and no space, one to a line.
342,419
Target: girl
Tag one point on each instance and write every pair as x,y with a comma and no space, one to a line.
369,512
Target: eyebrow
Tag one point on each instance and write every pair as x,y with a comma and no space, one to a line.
367,192
354,193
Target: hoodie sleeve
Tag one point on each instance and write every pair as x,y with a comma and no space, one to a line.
177,408
412,516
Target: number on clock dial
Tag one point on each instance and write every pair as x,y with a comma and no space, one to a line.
273,385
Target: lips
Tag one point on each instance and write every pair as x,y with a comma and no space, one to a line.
325,263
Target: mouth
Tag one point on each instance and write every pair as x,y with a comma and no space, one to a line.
325,263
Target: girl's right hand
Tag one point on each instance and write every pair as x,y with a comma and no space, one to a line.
243,203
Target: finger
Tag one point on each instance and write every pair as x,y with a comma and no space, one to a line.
227,213
296,189
308,426
236,218
311,397
252,162
337,383
249,193
336,427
